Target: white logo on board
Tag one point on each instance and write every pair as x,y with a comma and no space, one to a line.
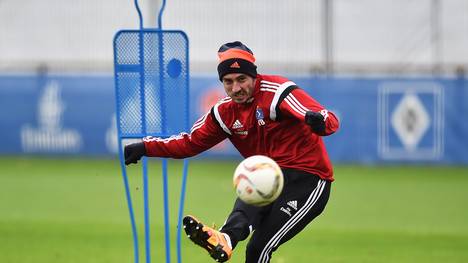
410,121
49,135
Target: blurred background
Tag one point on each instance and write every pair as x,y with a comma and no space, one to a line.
395,73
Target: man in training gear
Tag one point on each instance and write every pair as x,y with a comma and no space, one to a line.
266,115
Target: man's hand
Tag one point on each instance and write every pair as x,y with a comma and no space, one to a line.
133,152
315,120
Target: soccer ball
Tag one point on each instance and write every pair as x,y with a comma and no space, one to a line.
258,180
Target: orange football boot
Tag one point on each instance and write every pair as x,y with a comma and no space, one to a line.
208,238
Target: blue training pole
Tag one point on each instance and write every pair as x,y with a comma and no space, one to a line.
139,70
166,211
143,113
181,211
129,202
164,123
161,11
146,210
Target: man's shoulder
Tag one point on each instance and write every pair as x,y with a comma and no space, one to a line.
272,79
273,85
224,102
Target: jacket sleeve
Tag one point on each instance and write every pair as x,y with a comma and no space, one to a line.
298,102
205,133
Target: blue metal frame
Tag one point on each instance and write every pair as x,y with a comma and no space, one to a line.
140,68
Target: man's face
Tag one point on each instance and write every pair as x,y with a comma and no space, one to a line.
239,86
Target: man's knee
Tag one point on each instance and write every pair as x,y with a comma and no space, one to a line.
255,250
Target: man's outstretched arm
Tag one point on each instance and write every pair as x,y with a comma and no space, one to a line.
205,133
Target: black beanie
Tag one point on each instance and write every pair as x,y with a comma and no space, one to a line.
235,57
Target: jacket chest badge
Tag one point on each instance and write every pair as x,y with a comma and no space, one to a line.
237,125
259,115
238,128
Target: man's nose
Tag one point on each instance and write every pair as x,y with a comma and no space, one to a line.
236,87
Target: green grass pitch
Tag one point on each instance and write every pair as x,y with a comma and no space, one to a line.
74,210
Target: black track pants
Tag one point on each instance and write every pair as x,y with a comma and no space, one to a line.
303,198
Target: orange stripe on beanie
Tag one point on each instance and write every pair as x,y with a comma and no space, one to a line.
235,57
236,53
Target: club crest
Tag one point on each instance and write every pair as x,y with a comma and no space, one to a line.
259,115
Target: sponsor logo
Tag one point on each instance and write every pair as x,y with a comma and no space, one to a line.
237,125
287,210
235,65
293,204
241,132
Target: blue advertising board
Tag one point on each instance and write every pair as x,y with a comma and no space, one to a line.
382,120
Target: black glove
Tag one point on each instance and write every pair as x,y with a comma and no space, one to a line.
316,121
133,152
